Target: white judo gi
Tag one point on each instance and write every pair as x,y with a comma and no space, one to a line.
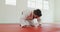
23,20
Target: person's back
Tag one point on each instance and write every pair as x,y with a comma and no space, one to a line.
24,16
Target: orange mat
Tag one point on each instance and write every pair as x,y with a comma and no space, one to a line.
17,28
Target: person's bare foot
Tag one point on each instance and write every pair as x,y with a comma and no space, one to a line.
20,24
28,26
39,25
24,26
32,25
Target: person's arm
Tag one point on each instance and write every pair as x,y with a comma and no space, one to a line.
39,20
29,17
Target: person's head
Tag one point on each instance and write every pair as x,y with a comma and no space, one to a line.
37,13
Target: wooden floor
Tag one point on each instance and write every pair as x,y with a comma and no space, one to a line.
17,28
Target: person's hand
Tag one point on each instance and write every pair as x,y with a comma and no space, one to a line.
38,19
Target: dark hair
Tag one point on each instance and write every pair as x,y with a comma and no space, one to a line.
38,12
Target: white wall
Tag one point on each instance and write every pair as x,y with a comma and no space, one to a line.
48,15
2,10
8,13
57,11
11,14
